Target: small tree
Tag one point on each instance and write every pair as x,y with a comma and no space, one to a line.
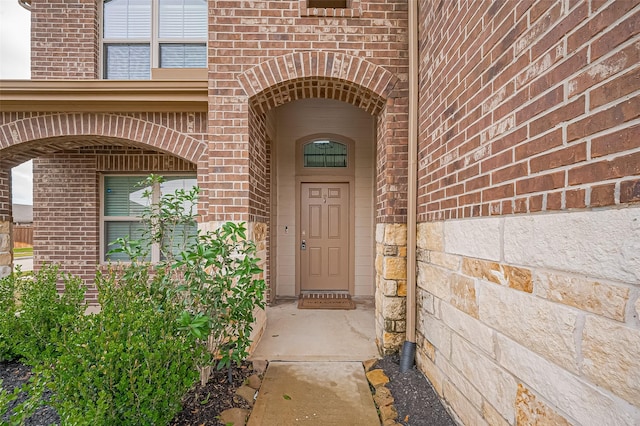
211,275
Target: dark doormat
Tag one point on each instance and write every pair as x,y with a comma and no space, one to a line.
326,301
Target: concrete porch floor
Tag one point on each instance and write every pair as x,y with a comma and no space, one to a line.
294,334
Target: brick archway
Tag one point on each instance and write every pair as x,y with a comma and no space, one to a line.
313,74
98,128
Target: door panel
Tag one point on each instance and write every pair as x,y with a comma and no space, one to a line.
324,235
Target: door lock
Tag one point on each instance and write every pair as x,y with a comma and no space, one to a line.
303,245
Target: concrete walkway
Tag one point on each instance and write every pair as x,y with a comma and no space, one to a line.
315,374
314,393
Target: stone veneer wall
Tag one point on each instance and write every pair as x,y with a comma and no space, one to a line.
534,318
391,286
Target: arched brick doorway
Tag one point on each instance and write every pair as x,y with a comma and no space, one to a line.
314,79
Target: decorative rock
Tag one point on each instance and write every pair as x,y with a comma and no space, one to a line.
383,397
377,378
260,366
368,364
234,416
254,381
388,412
247,393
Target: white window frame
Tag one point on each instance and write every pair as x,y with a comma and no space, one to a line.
154,41
155,248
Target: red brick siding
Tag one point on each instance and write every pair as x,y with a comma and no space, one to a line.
66,200
527,106
287,56
5,192
259,161
65,214
64,41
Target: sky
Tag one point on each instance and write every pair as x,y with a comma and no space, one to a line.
15,48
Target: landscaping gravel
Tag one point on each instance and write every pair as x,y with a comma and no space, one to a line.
415,400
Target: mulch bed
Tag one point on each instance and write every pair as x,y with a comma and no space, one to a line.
415,400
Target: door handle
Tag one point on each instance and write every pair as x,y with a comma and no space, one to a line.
303,245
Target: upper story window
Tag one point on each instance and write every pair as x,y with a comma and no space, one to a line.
330,8
334,4
139,35
325,153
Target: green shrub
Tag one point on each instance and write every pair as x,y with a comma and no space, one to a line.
130,363
35,314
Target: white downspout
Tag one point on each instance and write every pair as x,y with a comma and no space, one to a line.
407,358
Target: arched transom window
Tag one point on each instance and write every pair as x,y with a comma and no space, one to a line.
325,153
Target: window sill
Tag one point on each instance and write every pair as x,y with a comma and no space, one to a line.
179,74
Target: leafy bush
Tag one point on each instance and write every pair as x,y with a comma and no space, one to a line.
211,275
35,314
128,364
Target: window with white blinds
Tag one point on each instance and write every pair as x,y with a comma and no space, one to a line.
134,41
124,201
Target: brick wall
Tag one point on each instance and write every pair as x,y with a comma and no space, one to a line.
529,162
64,39
289,53
67,202
528,106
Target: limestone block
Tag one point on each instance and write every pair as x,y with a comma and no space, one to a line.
379,264
532,411
437,333
395,268
602,244
383,397
492,416
468,414
390,250
545,327
430,370
377,377
430,236
433,279
580,400
479,238
611,354
388,413
463,294
394,308
254,381
380,232
428,349
510,276
400,326
388,287
395,234
423,255
638,308
247,393
402,288
425,302
391,342
402,251
468,327
445,260
589,295
234,416
460,382
495,384
5,225
5,259
5,270
5,243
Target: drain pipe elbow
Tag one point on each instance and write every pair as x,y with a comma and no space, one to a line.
407,357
